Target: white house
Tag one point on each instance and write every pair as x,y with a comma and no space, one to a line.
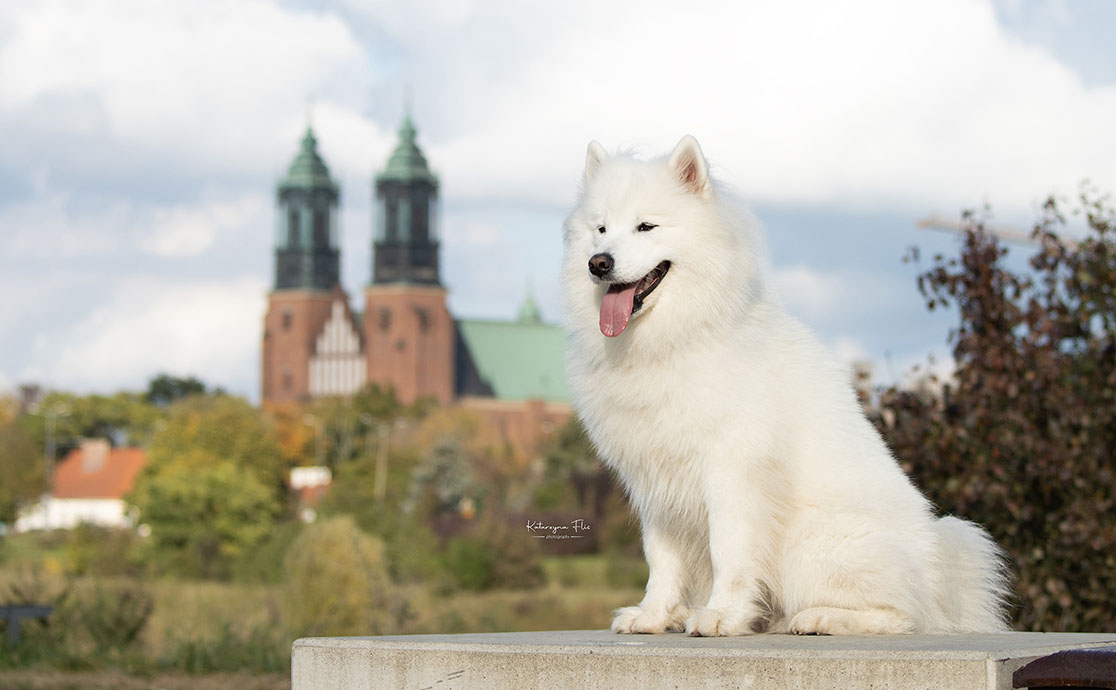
89,486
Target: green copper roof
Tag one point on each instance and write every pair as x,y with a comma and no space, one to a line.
518,359
308,170
407,164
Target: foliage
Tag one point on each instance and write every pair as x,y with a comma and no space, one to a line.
494,555
21,463
104,551
254,650
124,418
202,517
346,427
443,482
414,556
164,389
88,626
1023,438
470,563
492,462
337,583
572,466
113,616
264,561
202,431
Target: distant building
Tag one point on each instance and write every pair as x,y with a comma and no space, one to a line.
315,344
310,485
89,487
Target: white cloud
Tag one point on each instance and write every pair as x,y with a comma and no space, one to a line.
200,84
55,224
809,293
191,230
142,136
850,350
208,329
865,103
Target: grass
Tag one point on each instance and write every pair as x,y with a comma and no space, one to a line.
117,680
204,634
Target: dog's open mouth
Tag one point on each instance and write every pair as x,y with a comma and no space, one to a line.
624,299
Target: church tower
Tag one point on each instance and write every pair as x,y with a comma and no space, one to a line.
307,272
409,335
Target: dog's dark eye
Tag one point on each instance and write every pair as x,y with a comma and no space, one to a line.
601,229
644,227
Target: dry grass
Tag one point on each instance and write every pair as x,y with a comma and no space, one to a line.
195,610
115,680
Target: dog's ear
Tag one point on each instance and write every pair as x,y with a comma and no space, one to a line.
689,166
594,156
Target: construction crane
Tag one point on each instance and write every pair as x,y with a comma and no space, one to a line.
938,222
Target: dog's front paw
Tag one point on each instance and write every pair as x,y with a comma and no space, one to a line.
705,622
634,619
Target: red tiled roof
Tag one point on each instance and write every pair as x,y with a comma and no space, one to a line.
111,478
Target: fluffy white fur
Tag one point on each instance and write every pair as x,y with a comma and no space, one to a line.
767,501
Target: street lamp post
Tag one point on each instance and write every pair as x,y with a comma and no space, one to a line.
383,430
50,449
319,432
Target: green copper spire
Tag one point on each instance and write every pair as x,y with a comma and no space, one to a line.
529,310
307,252
407,163
308,170
405,232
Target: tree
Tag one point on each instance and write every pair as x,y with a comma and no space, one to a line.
1023,438
344,426
124,418
442,483
202,430
21,463
202,515
572,461
165,389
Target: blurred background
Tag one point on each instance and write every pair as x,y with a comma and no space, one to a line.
280,351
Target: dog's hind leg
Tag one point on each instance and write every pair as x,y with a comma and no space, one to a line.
827,620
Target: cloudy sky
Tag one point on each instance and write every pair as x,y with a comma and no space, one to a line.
140,144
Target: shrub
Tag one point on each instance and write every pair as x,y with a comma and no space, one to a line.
89,626
469,561
92,550
256,650
494,555
265,561
337,583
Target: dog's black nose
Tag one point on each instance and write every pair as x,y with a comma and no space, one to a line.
600,264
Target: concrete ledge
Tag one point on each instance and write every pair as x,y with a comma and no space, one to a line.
597,659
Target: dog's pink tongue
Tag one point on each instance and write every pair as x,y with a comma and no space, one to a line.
616,309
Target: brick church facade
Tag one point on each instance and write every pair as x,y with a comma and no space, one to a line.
314,344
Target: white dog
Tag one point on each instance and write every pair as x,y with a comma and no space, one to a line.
767,500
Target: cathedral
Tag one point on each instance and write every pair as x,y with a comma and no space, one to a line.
315,343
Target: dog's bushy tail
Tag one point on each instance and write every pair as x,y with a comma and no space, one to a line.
973,583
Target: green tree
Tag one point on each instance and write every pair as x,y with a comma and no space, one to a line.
124,418
21,463
1023,438
350,425
202,515
165,389
337,583
202,430
442,482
